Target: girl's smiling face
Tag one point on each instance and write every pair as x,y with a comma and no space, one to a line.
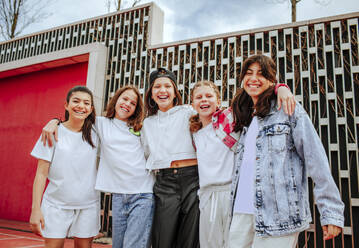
163,93
205,101
254,83
79,105
126,105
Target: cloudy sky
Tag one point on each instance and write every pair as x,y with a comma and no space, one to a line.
186,19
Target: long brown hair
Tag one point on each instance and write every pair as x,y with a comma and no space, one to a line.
135,120
151,106
242,104
194,122
90,120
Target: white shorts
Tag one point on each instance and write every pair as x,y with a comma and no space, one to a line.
62,223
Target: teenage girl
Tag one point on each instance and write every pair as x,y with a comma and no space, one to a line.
70,204
170,154
276,154
122,169
215,166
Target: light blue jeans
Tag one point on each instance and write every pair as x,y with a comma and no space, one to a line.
132,216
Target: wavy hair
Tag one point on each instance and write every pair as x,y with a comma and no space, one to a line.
242,104
135,120
194,122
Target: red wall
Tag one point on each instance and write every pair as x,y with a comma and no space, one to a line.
27,102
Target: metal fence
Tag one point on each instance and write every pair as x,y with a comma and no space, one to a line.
318,59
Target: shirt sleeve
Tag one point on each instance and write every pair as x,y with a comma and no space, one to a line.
99,126
311,151
144,143
43,152
189,110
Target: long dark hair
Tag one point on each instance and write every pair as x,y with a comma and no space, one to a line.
90,120
135,120
242,104
194,122
151,106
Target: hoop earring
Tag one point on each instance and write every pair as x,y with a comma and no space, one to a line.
149,104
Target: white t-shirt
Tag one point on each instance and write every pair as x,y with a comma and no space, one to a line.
215,159
244,202
166,137
122,166
72,172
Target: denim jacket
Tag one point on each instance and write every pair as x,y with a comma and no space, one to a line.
288,150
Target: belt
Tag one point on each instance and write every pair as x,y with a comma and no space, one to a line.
179,170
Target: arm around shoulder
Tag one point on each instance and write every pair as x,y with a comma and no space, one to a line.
49,129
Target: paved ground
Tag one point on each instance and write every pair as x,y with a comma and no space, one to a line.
17,235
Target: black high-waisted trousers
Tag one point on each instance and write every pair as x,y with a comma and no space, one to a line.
176,217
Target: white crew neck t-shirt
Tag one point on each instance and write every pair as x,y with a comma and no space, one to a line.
244,202
72,172
166,137
215,159
122,166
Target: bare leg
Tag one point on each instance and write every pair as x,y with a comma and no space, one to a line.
83,242
54,243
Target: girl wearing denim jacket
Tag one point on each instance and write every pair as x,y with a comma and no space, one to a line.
276,153
215,144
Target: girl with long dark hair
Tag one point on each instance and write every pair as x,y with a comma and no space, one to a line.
276,154
70,204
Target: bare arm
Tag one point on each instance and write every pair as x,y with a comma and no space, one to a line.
49,129
36,218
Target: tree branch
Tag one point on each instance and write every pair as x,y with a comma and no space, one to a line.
16,15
